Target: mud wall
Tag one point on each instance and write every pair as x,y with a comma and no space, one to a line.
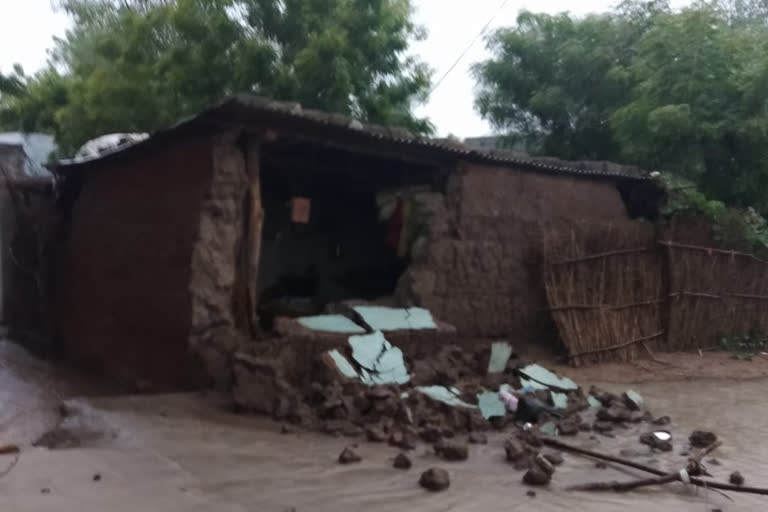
24,224
213,335
122,264
478,269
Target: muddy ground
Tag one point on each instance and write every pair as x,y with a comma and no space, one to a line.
189,453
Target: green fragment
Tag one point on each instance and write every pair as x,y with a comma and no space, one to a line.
490,405
396,319
331,323
343,365
593,402
560,400
449,396
548,378
635,398
548,429
382,363
501,351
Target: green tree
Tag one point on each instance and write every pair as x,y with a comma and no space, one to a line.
676,90
139,65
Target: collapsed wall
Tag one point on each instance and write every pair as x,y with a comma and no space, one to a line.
478,266
213,334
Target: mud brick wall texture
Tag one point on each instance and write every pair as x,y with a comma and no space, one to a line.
479,268
121,276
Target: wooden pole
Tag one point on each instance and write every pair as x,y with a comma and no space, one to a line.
255,224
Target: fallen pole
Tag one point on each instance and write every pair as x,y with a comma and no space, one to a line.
664,477
554,443
626,486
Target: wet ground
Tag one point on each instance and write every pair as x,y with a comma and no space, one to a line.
187,453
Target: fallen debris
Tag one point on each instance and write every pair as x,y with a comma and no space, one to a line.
435,479
543,377
404,439
9,449
375,434
349,456
736,478
402,461
692,469
501,351
540,473
521,450
659,440
702,439
452,451
57,439
380,362
478,438
633,400
555,459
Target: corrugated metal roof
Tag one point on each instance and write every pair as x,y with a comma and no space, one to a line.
292,118
37,146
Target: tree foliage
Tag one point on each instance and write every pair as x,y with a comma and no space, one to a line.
139,65
679,90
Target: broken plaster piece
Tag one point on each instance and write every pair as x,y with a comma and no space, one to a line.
449,396
396,319
331,323
381,362
490,405
635,398
560,400
501,351
593,402
343,365
547,378
529,386
548,429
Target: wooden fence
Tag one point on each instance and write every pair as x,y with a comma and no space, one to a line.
617,293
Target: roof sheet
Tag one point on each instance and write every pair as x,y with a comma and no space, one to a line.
291,117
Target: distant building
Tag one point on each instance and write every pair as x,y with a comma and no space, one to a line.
26,200
494,142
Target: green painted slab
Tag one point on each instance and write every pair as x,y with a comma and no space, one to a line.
383,318
501,351
331,323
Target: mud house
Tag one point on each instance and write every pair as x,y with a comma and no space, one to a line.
26,198
198,236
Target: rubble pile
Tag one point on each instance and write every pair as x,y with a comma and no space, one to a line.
344,377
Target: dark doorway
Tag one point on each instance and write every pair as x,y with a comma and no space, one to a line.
344,248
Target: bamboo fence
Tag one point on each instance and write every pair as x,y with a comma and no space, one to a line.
618,293
713,292
605,290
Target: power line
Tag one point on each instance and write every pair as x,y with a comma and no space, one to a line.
469,47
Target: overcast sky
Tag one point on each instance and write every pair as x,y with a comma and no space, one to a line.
28,26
